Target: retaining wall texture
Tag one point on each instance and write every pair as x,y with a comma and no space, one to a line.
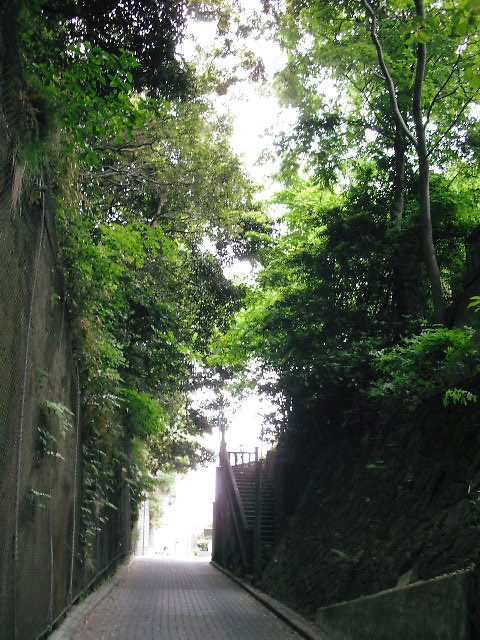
441,609
36,488
43,567
43,564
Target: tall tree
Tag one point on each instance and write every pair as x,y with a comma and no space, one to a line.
403,72
142,175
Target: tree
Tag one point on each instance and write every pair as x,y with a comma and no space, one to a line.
145,299
405,97
420,144
147,29
325,298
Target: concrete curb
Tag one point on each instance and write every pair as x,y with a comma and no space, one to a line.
79,612
294,620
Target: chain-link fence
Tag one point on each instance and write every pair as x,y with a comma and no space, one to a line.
44,566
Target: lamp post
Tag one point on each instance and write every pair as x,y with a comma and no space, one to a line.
222,429
219,524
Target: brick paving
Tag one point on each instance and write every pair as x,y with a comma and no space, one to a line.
171,599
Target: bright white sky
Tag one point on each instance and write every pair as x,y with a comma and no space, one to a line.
254,108
253,112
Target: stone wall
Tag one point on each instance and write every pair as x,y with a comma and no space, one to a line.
383,508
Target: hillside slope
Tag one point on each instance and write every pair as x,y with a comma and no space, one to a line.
383,508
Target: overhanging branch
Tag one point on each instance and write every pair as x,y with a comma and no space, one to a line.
386,74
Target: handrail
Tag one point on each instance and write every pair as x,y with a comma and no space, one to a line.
236,493
252,456
242,528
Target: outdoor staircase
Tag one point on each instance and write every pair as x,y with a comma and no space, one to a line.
245,478
249,510
267,521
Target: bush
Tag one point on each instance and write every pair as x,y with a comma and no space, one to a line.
425,365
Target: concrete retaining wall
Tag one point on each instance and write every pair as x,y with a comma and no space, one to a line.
439,609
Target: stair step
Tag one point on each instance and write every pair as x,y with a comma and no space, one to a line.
245,477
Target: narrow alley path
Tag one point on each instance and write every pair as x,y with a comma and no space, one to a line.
172,599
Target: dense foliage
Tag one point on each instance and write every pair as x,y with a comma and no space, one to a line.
148,29
347,318
150,202
380,193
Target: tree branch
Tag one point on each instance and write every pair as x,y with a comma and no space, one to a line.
124,147
419,78
437,95
453,123
386,74
379,129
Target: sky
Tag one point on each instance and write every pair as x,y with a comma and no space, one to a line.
254,115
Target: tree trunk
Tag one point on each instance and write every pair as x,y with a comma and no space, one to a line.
399,288
421,148
427,237
424,181
399,148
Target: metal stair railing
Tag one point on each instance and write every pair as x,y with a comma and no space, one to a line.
242,529
249,456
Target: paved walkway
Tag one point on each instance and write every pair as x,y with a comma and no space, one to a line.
170,599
